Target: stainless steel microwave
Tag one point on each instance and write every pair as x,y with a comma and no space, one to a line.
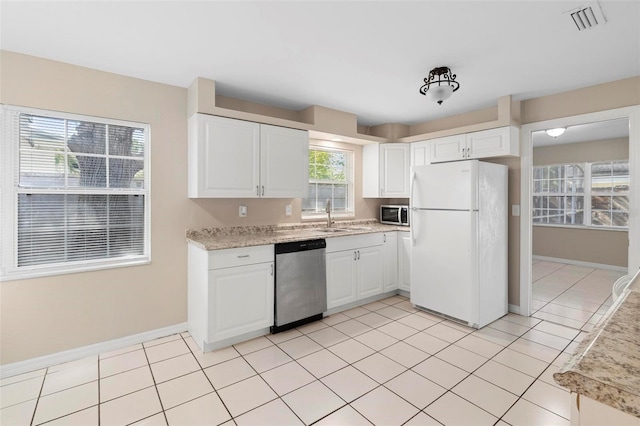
394,215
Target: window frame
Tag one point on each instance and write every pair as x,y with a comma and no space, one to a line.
350,181
587,194
10,189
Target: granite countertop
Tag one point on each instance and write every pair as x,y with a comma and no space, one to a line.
606,364
246,236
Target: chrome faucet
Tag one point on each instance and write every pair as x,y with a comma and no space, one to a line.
328,210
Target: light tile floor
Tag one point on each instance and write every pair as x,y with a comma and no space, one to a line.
575,296
384,363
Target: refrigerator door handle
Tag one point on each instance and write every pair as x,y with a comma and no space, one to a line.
411,222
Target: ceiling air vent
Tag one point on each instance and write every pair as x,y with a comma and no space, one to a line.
587,17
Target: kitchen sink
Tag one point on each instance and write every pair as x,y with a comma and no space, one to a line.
331,230
345,229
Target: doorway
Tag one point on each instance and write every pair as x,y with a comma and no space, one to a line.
566,276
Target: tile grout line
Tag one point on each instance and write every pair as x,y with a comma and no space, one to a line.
155,386
208,379
35,409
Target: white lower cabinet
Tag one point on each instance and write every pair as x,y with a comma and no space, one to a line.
369,271
390,261
404,259
589,412
230,296
341,278
354,268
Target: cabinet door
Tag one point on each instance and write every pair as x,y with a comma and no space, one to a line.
394,170
390,261
240,300
371,171
369,264
228,158
490,143
341,278
404,259
450,148
284,162
420,154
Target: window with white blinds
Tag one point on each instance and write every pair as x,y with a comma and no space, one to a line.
77,195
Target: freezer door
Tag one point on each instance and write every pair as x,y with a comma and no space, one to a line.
451,186
444,266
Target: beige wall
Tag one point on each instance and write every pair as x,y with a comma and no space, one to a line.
513,228
48,315
587,245
602,150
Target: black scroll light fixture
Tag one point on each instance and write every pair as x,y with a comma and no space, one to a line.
440,84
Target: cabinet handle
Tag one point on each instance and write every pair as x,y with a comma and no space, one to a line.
358,254
257,190
355,255
384,240
468,152
263,190
243,256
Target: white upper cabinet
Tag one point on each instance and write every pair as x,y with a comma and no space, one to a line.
450,148
500,142
231,158
386,170
284,162
420,154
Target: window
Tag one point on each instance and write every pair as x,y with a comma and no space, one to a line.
582,194
610,194
330,177
77,197
558,194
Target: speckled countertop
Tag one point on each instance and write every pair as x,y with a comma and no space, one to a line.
246,236
606,364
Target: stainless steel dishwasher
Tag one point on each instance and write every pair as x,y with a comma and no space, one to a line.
300,283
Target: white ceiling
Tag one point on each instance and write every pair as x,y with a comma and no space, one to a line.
368,58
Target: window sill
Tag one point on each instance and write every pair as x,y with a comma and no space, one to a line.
63,270
583,227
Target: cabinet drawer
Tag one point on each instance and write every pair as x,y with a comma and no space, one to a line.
230,258
354,242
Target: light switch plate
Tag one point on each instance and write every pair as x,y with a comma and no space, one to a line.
287,210
515,210
242,211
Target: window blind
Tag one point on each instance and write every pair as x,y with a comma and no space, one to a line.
79,193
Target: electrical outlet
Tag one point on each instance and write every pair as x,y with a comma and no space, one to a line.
515,210
242,211
287,210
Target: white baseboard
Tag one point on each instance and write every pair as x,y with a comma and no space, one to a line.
38,363
580,263
514,309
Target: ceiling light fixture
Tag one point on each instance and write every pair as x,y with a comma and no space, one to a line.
440,84
554,133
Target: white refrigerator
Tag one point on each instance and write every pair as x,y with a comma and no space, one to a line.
459,240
